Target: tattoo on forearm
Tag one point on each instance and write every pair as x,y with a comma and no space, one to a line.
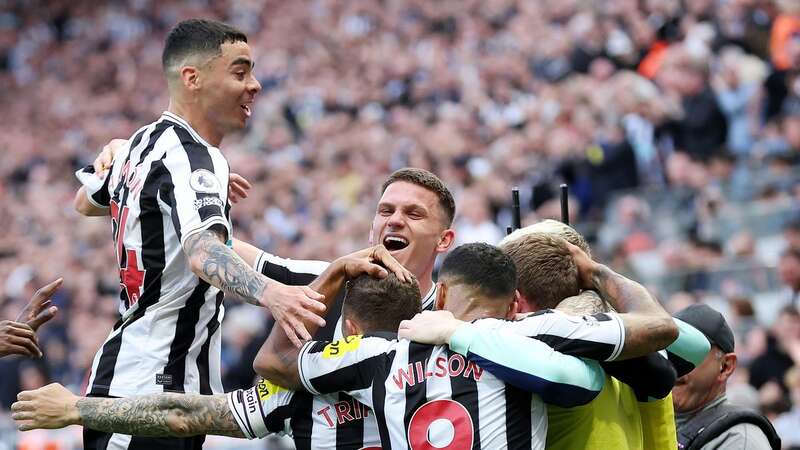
160,415
223,268
623,294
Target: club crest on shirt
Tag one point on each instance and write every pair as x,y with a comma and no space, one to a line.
338,348
204,181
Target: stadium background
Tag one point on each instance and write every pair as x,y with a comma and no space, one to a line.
676,124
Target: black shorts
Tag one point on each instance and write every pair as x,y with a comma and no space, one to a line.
100,440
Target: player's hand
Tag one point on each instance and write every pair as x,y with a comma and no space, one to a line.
430,327
49,407
18,339
237,187
40,309
105,159
375,261
291,305
586,266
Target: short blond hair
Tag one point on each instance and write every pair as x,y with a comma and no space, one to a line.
546,272
552,227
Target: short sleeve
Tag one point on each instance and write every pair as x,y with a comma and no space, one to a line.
600,336
262,409
199,183
96,187
347,365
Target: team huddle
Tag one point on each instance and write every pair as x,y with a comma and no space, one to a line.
530,344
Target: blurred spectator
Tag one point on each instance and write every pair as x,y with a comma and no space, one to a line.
782,352
789,272
786,423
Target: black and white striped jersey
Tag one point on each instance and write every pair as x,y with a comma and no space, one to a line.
434,397
165,185
334,421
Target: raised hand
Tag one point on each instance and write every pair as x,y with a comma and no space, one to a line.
290,306
105,159
237,187
40,309
375,261
18,339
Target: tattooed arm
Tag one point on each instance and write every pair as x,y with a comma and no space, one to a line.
214,262
53,406
648,327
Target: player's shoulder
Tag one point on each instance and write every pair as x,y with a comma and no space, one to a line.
354,346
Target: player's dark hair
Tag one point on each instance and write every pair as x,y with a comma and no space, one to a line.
381,304
483,267
429,181
197,36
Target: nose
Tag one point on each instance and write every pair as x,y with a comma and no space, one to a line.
254,87
395,220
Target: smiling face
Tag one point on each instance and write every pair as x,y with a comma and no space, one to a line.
228,87
410,223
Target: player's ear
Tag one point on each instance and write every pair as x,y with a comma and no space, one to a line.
446,240
441,295
513,308
352,328
190,77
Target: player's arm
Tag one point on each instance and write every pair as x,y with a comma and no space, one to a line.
287,271
647,326
526,363
84,207
212,260
652,376
92,198
689,350
167,414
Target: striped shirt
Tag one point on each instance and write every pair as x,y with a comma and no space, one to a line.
335,421
432,396
166,184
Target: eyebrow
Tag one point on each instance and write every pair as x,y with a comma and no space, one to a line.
243,61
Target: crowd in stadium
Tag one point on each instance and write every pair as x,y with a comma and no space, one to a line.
675,123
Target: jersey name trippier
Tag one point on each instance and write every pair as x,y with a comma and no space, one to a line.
325,422
432,397
166,184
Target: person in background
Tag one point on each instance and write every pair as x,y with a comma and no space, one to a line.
704,417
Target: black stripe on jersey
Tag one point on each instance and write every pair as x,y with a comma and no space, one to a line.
184,335
416,393
153,253
276,419
136,140
379,400
600,351
108,357
282,274
350,434
330,382
302,420
199,158
202,358
465,391
518,418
